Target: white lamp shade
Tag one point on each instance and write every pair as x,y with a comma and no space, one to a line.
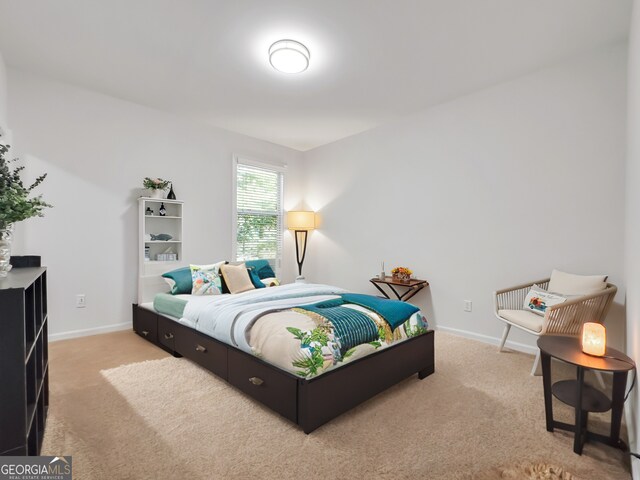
289,56
299,220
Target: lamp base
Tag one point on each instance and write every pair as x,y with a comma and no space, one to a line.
596,355
301,279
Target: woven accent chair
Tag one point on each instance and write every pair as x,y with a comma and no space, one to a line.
563,319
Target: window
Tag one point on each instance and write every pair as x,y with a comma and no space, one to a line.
258,219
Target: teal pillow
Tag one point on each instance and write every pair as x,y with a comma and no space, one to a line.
255,279
261,267
182,280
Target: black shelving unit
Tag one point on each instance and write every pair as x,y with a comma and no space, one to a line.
24,361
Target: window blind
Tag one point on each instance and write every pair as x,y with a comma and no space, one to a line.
258,214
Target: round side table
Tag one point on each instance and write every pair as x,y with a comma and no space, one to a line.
583,397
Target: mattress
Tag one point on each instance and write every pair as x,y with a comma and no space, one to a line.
171,305
275,325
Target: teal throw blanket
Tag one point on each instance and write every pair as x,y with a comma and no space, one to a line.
351,327
394,312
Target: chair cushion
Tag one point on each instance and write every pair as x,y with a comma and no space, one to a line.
570,284
523,318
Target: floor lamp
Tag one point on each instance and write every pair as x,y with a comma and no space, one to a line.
301,222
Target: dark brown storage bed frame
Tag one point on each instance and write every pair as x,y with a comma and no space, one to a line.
308,403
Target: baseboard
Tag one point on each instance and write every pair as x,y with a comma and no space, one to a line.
630,420
520,347
53,337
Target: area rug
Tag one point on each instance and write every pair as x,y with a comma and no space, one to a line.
480,416
538,471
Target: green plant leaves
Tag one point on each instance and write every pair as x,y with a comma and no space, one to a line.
15,204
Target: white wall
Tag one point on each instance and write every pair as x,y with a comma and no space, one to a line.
482,192
632,257
492,189
3,92
18,242
96,150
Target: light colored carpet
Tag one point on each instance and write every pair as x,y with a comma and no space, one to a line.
480,416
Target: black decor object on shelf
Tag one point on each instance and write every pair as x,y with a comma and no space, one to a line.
171,195
163,210
25,261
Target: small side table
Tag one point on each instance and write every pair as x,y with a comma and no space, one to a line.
583,397
412,287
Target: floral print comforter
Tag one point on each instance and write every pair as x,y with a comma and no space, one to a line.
268,323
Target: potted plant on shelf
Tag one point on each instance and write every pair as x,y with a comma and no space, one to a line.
15,205
155,186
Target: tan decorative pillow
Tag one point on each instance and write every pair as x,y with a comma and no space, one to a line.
237,278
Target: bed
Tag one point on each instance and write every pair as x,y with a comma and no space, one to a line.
275,345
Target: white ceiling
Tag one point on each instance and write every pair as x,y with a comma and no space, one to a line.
372,61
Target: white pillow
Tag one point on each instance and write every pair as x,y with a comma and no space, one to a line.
570,284
270,282
538,300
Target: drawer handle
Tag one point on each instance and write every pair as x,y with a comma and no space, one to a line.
145,332
200,348
256,381
168,336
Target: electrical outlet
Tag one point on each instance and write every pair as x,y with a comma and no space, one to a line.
467,305
81,301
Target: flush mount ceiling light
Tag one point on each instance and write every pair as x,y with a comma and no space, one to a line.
289,56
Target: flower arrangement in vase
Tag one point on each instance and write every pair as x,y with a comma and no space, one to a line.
156,186
402,274
16,205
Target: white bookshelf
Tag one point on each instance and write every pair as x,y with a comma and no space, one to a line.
170,224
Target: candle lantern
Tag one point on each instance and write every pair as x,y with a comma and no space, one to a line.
594,339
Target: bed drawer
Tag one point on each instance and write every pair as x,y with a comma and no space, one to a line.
203,350
167,332
266,384
145,323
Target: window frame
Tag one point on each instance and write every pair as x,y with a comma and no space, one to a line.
280,168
